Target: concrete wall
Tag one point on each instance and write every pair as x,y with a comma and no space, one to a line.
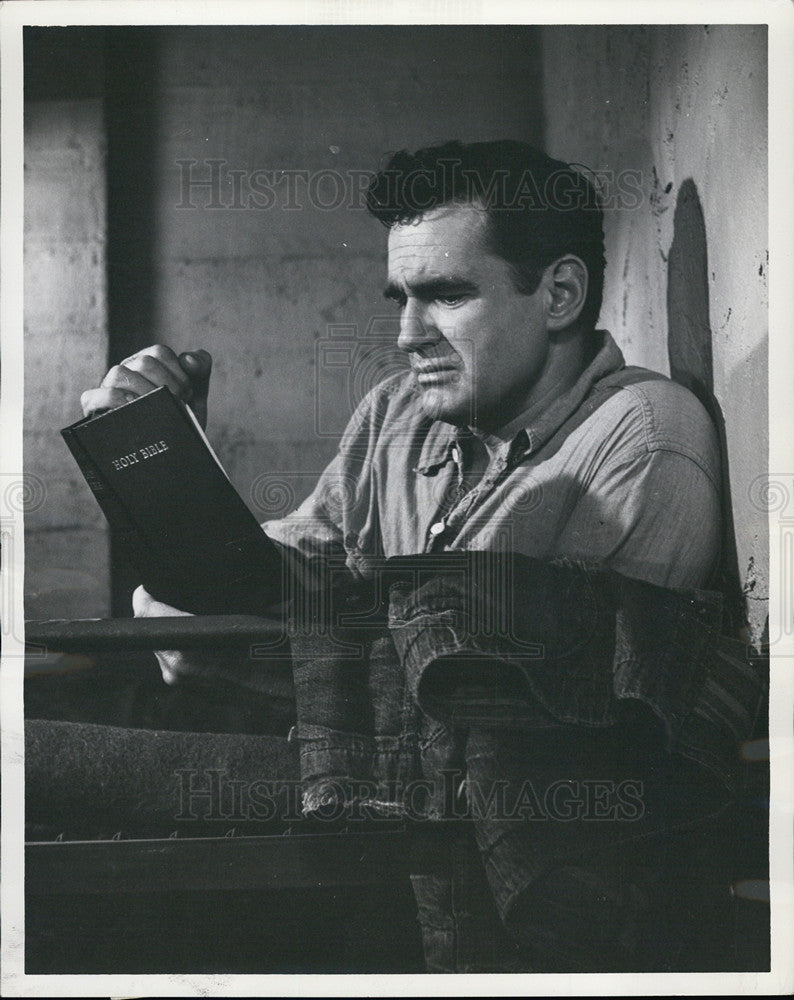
66,548
263,288
684,109
271,289
268,287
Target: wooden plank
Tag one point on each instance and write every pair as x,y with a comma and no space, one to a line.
116,634
215,863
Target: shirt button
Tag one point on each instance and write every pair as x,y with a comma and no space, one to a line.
437,528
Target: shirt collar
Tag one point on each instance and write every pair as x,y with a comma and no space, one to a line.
437,446
522,437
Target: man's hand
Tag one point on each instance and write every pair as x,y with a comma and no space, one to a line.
187,376
229,669
173,664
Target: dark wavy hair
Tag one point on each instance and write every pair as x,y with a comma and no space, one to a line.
539,208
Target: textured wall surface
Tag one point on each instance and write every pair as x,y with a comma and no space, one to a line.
678,115
273,290
281,277
276,268
66,556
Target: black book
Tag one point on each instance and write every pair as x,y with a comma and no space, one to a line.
174,511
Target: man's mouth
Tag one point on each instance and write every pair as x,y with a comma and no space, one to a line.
435,374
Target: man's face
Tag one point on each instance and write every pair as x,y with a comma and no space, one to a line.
476,345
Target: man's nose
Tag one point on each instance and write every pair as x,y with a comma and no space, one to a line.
416,329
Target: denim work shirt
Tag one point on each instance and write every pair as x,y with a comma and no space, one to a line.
632,484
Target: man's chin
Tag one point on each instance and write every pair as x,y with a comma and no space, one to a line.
440,405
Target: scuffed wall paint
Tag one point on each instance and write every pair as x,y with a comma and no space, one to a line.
684,109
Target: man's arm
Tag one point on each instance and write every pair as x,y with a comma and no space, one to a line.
343,508
653,508
656,517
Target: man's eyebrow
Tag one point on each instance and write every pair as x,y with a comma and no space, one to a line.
430,287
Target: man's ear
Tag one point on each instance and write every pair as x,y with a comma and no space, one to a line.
567,287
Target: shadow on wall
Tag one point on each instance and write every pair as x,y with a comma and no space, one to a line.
689,349
131,120
131,116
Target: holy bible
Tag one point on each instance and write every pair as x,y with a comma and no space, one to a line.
173,510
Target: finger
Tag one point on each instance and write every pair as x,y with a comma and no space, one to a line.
121,377
93,401
141,599
146,606
176,666
159,373
158,351
164,356
170,676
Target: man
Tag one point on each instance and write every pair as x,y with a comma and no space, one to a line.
518,427
496,265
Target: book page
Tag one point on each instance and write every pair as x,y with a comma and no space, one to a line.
204,438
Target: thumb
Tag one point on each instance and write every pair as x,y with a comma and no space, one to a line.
197,364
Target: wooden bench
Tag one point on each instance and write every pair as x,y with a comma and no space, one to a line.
346,864
360,865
